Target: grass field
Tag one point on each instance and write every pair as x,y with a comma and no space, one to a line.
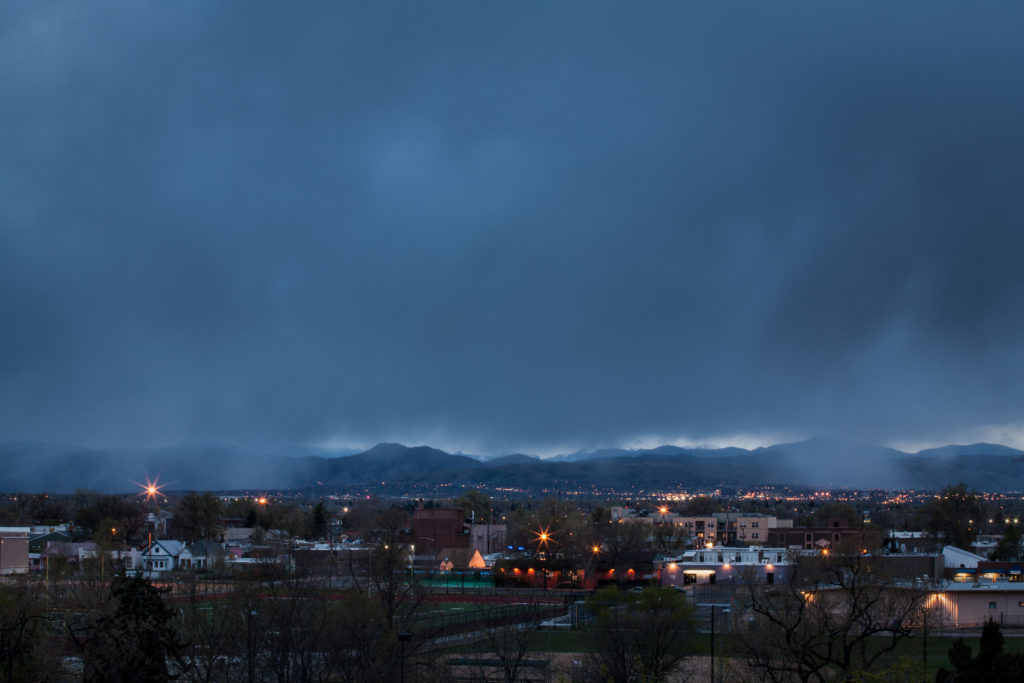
912,648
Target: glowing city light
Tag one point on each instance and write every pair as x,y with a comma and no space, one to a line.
151,489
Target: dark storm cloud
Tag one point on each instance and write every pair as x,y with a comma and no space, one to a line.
508,226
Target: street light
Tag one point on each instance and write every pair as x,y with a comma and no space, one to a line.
403,638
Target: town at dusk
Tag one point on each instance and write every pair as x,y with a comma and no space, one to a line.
536,343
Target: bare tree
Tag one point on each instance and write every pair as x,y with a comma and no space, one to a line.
388,571
638,636
835,614
23,637
508,640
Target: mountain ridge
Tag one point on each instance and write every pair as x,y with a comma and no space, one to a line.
822,461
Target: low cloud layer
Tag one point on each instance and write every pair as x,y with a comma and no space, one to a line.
509,227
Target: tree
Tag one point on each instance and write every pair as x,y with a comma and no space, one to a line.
475,505
1008,547
834,615
618,542
507,637
700,506
212,631
360,647
668,537
991,664
388,572
638,636
320,519
835,510
951,514
197,516
22,635
133,637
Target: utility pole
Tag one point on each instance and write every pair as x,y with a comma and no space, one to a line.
712,643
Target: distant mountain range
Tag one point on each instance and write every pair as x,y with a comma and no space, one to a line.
822,462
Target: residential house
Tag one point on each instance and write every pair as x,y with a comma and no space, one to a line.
200,555
161,556
37,543
72,553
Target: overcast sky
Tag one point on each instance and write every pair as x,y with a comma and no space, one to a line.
503,226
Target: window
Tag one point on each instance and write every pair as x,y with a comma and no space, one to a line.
769,577
1020,604
753,534
991,605
754,524
720,559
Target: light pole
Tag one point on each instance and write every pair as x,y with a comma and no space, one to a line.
252,649
712,643
403,638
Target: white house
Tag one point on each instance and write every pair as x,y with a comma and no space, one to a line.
161,556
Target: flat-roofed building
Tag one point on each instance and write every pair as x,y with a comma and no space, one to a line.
14,549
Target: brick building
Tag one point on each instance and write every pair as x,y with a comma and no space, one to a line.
835,532
437,529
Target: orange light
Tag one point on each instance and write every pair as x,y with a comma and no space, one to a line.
261,501
151,489
663,510
113,531
596,549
